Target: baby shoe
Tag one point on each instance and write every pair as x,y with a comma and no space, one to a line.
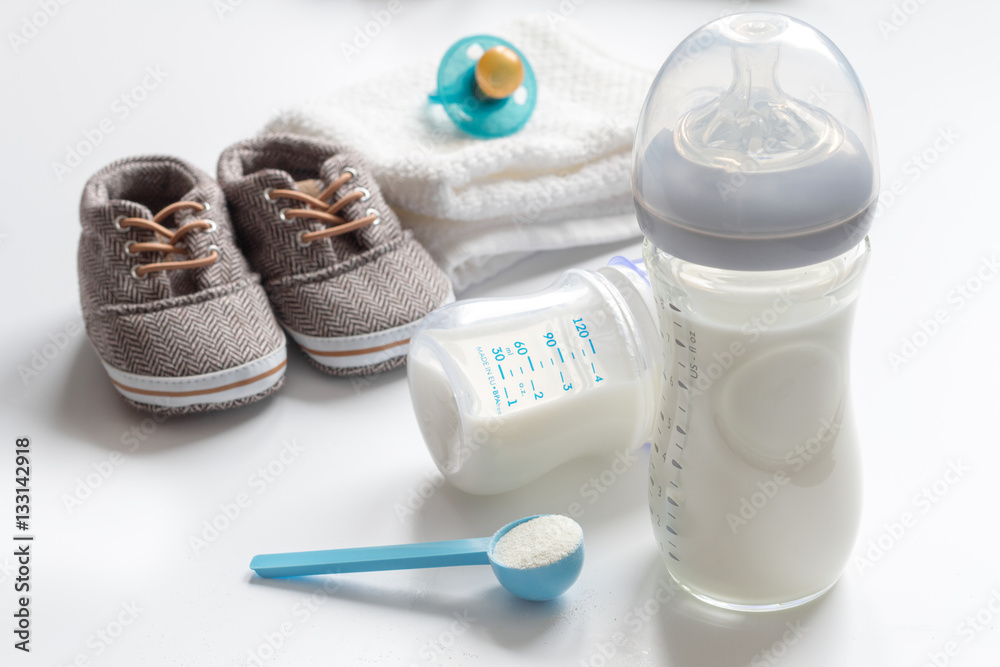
345,280
178,319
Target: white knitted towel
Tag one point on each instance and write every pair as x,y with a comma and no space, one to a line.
479,205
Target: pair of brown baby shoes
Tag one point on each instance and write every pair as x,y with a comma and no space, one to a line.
184,280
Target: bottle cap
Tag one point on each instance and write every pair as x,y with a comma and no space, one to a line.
755,149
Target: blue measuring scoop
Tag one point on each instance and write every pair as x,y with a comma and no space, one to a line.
538,583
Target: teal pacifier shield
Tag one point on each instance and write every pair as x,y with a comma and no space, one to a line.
471,111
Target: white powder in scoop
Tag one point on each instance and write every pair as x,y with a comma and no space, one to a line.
540,541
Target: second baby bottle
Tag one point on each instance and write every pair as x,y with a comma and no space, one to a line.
505,390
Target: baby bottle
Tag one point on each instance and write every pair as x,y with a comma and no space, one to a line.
755,177
507,389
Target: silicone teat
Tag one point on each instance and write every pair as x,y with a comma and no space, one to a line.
755,124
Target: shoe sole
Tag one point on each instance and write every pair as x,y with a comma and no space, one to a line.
346,355
203,392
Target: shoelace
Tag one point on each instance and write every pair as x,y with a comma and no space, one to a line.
320,210
173,238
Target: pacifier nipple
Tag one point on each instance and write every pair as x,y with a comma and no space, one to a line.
499,73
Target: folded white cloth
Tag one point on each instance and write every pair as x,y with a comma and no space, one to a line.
479,205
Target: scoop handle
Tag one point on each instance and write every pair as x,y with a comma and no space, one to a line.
370,559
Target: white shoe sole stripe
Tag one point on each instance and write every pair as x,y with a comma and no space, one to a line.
219,387
360,350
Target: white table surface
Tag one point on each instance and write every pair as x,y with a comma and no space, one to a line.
123,555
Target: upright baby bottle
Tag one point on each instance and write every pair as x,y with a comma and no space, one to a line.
755,176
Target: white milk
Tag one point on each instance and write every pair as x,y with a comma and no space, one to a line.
754,468
505,390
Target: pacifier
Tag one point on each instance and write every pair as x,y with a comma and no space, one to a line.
486,86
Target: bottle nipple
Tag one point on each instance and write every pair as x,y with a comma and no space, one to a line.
754,124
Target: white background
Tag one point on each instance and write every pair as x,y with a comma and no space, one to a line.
362,457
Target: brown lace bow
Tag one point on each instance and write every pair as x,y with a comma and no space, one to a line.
171,245
320,210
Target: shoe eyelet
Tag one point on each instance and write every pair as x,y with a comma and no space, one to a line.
207,207
267,194
216,249
128,248
283,217
352,171
135,276
117,222
365,192
378,216
303,244
212,226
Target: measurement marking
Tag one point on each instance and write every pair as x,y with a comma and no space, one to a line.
501,372
592,346
592,368
680,430
672,501
675,486
682,409
674,557
678,341
583,352
521,368
561,378
676,464
552,361
541,364
561,358
505,393
681,365
673,307
671,516
573,354
531,364
532,385
671,530
683,386
671,544
676,324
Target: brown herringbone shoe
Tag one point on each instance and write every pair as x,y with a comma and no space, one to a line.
343,277
178,319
